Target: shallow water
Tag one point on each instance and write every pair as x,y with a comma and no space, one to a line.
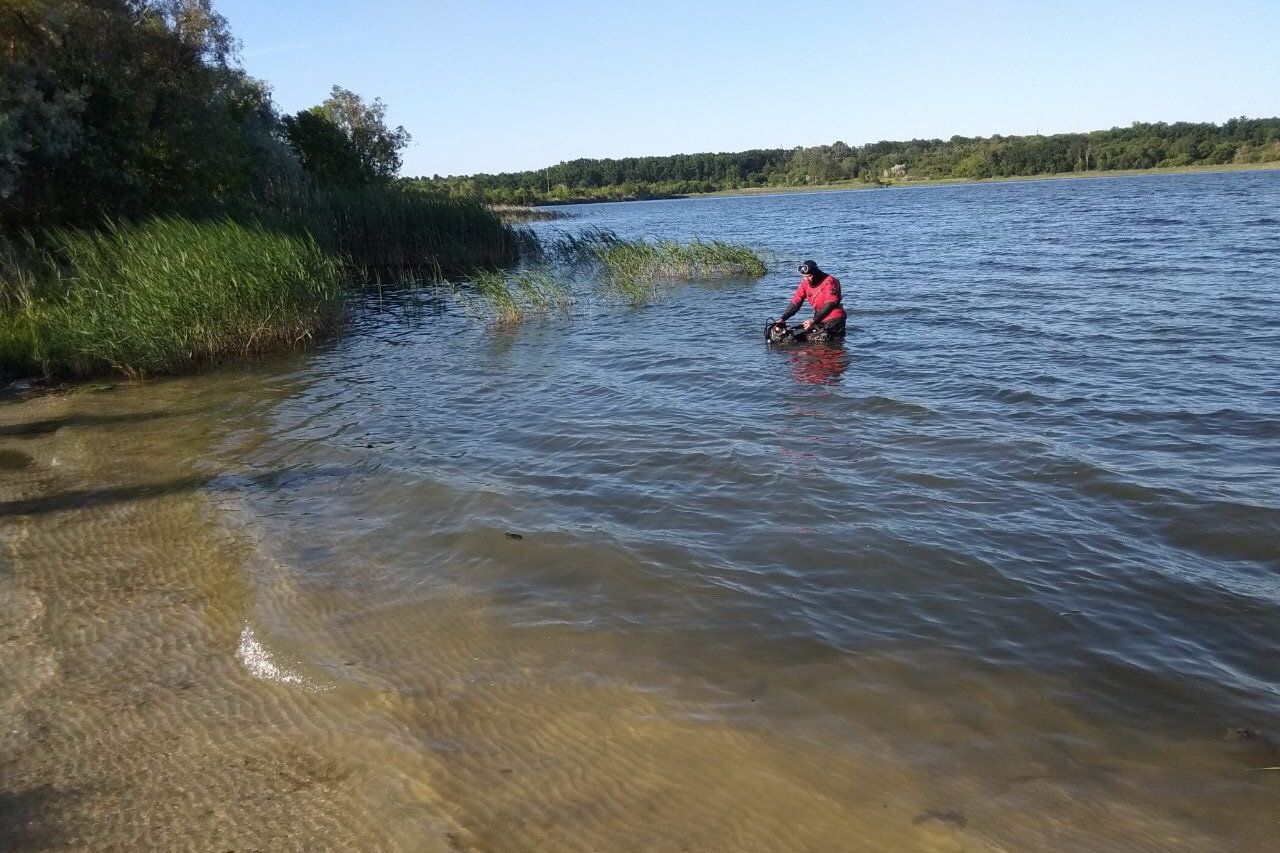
999,574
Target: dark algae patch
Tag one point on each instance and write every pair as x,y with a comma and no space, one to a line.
13,460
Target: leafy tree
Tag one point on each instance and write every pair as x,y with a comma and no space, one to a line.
124,106
324,150
376,146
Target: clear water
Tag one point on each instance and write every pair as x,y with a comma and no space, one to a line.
1000,573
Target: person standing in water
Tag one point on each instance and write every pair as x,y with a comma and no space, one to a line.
822,292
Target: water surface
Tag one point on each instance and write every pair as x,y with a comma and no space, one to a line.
1001,573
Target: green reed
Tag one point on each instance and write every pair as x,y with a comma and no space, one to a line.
635,269
18,293
163,294
581,248
511,214
387,227
668,260
508,298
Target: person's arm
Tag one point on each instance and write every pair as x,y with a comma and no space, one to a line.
797,299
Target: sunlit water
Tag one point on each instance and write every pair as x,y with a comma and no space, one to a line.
1000,574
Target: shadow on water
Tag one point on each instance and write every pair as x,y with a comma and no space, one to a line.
45,427
27,820
84,498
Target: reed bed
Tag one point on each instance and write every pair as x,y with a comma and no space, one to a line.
18,289
387,228
515,213
660,259
162,295
636,269
667,260
167,293
582,248
509,298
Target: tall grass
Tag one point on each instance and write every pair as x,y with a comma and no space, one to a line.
389,228
18,287
582,247
514,213
247,276
668,260
163,294
507,299
635,269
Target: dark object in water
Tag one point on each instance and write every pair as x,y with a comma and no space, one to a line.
778,332
514,536
14,460
1255,741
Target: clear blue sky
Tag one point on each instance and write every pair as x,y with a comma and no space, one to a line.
488,86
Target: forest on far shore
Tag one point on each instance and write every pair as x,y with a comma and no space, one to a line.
1139,146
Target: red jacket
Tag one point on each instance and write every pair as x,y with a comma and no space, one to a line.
819,295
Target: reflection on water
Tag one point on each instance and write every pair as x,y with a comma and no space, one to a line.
819,364
1010,585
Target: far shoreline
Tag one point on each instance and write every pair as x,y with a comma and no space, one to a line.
937,182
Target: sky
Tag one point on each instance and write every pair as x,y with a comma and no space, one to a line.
487,86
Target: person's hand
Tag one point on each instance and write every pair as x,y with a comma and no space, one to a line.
808,324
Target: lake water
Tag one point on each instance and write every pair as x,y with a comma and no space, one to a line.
1001,573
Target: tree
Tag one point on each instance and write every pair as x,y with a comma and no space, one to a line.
324,150
123,107
376,146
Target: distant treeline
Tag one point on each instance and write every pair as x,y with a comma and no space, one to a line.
1140,146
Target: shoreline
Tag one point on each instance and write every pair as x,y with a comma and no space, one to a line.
1270,166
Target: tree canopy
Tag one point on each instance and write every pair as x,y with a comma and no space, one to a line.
118,108
346,141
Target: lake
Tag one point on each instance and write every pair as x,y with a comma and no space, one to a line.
999,573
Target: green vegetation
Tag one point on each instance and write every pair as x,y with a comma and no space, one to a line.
161,295
658,260
910,182
133,111
514,213
1240,141
633,271
386,227
664,260
636,269
510,298
343,141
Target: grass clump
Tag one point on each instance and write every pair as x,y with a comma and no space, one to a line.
515,213
635,269
582,248
161,295
509,298
668,260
